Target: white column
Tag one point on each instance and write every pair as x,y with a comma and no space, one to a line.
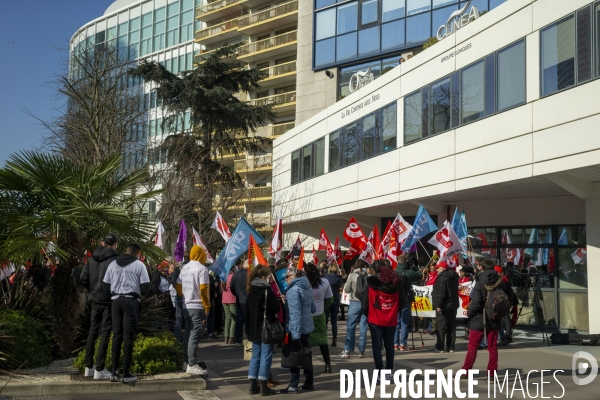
592,220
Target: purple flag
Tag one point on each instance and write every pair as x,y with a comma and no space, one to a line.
180,245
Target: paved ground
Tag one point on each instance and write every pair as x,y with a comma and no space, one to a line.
228,370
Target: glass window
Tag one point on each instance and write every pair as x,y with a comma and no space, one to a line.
389,124
392,35
325,52
442,3
417,6
490,84
440,106
472,100
173,9
295,166
511,76
369,137
455,99
346,47
159,14
418,29
572,268
571,236
597,37
368,41
347,18
574,311
558,56
495,3
134,24
350,145
440,18
335,146
369,11
482,5
584,45
187,4
325,22
392,9
345,75
323,3
320,157
413,121
307,162
389,64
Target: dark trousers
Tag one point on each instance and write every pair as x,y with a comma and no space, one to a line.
101,325
239,322
210,323
383,335
125,316
332,314
446,329
308,373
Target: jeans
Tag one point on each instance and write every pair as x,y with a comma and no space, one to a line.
194,328
402,328
101,325
230,317
178,319
125,315
260,363
332,312
239,323
354,315
446,329
295,372
383,335
475,337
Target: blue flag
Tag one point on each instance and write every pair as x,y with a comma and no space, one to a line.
234,248
282,283
422,226
533,239
563,237
545,252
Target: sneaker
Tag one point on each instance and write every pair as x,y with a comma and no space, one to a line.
104,375
290,390
115,377
89,371
196,370
450,350
402,347
361,354
184,367
503,343
396,347
427,332
128,377
345,354
436,350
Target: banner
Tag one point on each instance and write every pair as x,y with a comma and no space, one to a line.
423,305
234,248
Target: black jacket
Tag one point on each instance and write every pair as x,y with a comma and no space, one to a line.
238,286
254,308
408,276
92,276
444,294
487,280
335,281
374,283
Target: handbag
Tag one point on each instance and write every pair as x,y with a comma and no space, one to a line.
247,350
296,357
272,332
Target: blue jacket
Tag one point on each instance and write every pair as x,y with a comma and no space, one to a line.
300,307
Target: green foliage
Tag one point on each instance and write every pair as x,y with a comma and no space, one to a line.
151,355
430,42
22,296
28,342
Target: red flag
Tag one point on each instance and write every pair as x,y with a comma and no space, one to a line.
255,256
338,251
355,235
368,253
314,256
385,241
324,243
301,259
220,226
374,239
277,239
392,253
297,246
351,253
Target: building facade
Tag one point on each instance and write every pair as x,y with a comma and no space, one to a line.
498,119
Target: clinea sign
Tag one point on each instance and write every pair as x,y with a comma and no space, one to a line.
458,19
360,79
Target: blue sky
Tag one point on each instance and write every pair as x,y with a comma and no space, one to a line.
31,31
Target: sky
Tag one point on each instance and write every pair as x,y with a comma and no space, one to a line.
31,34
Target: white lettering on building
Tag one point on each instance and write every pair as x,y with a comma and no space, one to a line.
458,19
360,79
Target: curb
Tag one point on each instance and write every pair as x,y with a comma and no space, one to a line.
53,389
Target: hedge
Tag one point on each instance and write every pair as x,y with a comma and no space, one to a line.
28,344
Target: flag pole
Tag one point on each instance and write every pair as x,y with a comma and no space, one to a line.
426,252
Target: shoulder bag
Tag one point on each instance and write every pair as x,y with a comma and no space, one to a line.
272,332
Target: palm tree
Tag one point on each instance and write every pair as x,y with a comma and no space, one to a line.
53,210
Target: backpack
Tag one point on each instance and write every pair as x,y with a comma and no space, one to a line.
361,286
383,308
497,305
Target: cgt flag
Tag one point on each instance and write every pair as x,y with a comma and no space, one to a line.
234,248
315,259
277,240
579,256
355,236
255,256
324,242
423,225
447,242
337,250
198,240
220,226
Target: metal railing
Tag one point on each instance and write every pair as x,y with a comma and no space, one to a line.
253,163
258,192
280,69
271,13
217,29
278,99
204,54
259,219
214,6
280,129
268,43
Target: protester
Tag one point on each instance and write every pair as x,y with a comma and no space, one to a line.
238,288
429,278
92,278
335,281
408,277
159,285
174,271
214,284
505,332
299,306
323,299
381,307
261,301
272,264
193,287
229,301
343,307
487,281
126,280
354,313
444,296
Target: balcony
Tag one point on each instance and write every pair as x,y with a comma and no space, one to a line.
253,164
283,103
272,131
270,47
219,9
280,74
204,54
271,18
218,33
259,220
257,195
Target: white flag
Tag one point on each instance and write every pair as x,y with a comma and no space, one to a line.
198,240
158,241
368,254
277,240
447,242
220,226
579,256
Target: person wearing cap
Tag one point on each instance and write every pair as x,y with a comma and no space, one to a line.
92,278
193,285
127,281
444,296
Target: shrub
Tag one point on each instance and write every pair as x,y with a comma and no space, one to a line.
28,341
151,355
430,42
